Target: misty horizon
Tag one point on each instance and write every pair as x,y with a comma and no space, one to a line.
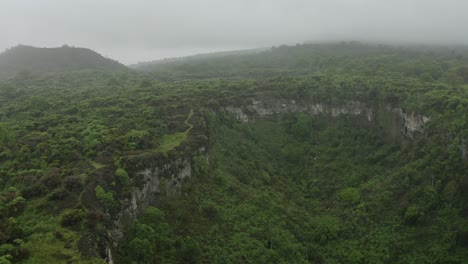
139,31
191,53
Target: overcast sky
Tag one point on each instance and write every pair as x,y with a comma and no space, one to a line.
140,30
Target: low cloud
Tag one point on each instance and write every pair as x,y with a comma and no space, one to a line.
140,30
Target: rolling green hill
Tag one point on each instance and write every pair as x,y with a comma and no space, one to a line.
307,58
31,60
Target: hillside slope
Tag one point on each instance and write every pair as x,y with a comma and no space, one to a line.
152,65
304,59
31,60
362,160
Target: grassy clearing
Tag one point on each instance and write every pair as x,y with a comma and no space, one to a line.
96,165
46,248
170,142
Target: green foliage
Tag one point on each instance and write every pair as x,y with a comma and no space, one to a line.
38,103
349,196
170,142
16,205
113,82
302,127
105,198
6,259
297,187
356,257
189,251
136,139
149,241
325,228
153,215
140,250
6,249
413,214
7,91
72,217
6,135
146,83
201,167
122,175
73,183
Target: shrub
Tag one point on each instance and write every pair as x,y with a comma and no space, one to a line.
36,190
326,228
16,206
73,183
189,251
58,194
105,198
141,250
413,214
349,196
6,259
72,217
6,249
122,175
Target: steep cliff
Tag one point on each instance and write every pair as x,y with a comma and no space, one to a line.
408,123
153,175
152,179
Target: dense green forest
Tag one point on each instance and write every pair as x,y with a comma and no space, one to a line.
152,165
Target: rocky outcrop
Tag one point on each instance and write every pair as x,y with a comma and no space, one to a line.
239,114
168,176
151,182
152,178
268,107
411,122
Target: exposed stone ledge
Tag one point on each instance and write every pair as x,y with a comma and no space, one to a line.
239,114
411,121
154,178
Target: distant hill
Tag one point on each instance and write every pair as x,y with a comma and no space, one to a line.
151,65
301,59
28,59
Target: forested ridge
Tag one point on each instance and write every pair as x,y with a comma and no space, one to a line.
286,188
25,60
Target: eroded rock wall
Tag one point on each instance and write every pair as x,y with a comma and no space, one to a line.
152,177
411,122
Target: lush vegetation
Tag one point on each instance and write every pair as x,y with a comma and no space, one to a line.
292,188
425,63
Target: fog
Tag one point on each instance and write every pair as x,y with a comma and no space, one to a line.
139,30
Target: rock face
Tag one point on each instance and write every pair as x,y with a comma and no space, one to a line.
270,107
153,179
171,175
165,178
411,122
238,113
